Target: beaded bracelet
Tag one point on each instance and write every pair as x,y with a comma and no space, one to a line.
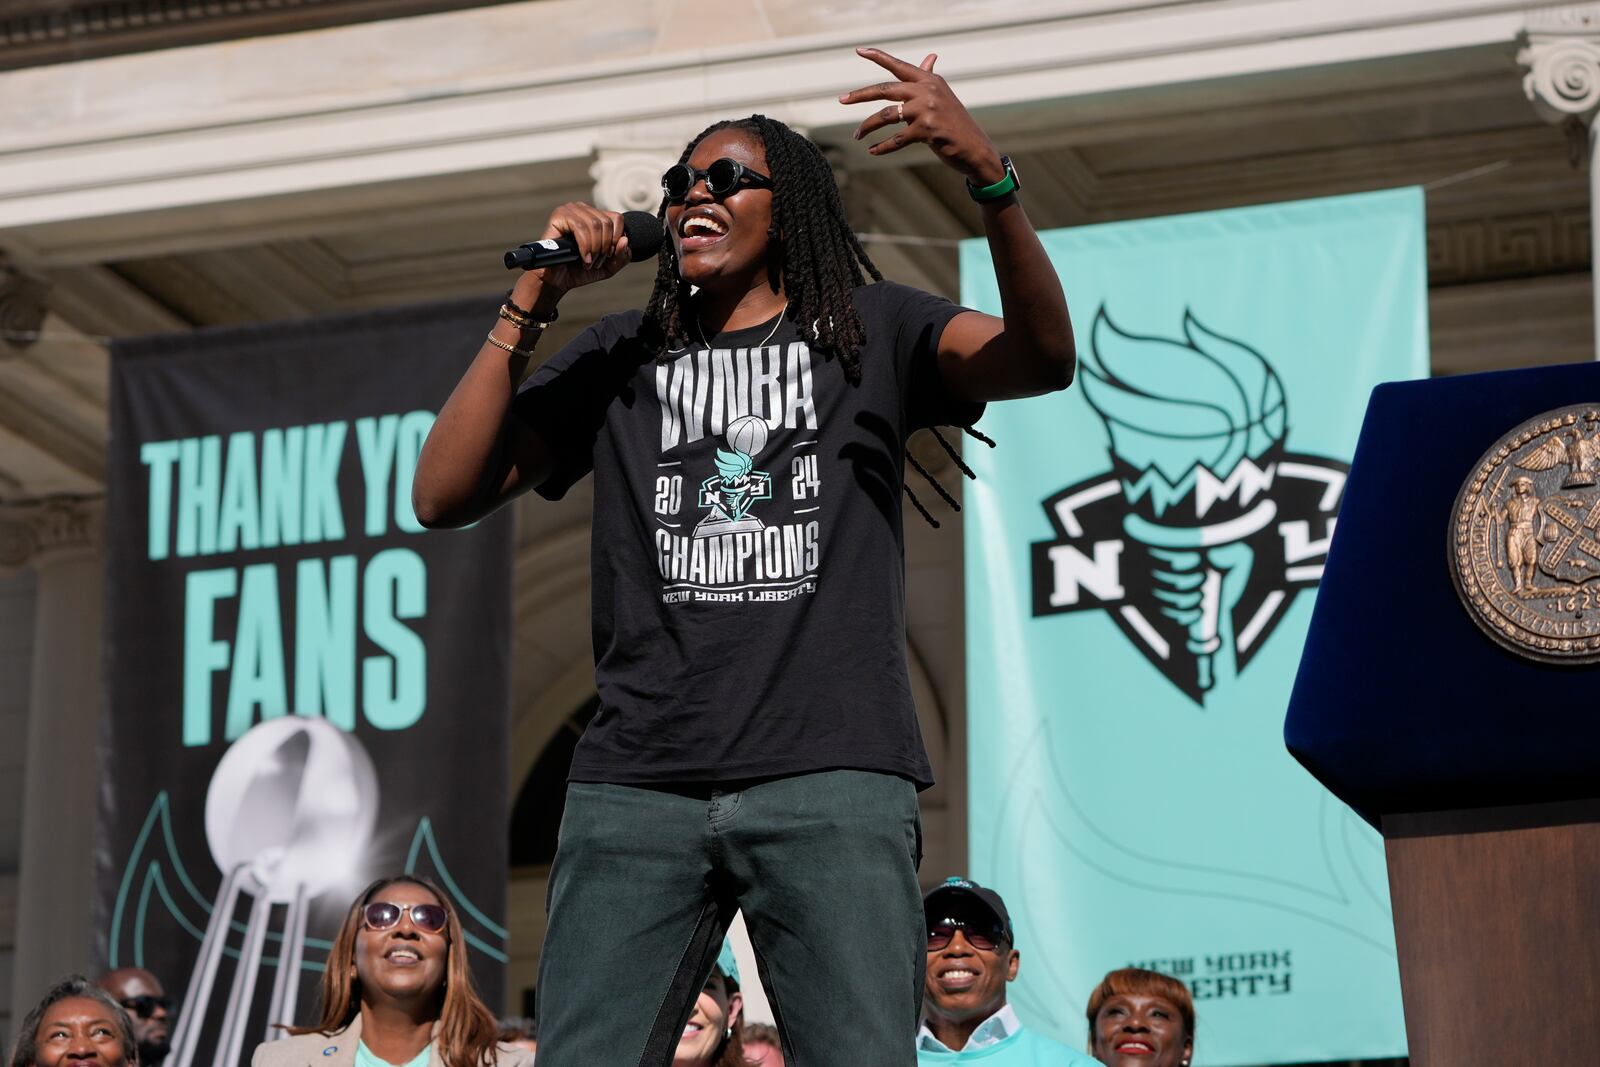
531,318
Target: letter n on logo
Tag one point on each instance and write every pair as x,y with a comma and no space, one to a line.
1071,572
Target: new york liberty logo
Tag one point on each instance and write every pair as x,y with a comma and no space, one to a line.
1197,539
737,485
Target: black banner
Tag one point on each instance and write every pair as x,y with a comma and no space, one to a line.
264,566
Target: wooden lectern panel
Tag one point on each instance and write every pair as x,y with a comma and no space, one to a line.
1497,921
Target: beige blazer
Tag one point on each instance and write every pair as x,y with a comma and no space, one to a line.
339,1050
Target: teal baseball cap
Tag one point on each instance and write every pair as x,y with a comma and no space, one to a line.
727,964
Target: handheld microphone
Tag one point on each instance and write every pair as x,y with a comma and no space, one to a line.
642,229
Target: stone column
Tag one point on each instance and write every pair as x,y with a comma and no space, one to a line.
61,540
1562,55
629,179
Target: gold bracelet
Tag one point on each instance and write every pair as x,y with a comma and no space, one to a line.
513,349
521,321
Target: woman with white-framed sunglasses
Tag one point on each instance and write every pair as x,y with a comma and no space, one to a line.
397,991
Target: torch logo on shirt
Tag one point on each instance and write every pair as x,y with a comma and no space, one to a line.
1198,538
737,485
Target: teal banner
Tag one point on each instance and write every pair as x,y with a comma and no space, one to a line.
1142,553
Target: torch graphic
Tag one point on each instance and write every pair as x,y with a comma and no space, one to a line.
737,485
1193,423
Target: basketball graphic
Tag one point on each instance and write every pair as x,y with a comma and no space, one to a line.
293,802
747,434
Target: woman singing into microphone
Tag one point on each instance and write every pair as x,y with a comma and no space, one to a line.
756,745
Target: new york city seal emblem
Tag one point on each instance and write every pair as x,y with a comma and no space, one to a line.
1525,538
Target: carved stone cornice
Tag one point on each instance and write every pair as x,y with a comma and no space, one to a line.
22,305
39,532
39,32
1562,55
1563,19
1495,248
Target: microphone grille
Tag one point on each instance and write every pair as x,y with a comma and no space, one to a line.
644,232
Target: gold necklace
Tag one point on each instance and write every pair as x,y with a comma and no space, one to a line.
701,331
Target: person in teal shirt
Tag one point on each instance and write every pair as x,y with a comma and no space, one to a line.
972,954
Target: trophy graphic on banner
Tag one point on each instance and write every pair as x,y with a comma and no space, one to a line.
290,809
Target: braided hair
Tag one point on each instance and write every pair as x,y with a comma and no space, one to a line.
821,258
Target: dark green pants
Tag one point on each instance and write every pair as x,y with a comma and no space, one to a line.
646,880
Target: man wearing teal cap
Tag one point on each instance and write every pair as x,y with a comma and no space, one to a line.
972,954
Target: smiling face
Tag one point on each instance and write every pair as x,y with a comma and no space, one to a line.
964,984
714,1012
723,241
1140,1029
403,962
78,1030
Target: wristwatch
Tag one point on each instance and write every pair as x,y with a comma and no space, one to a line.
1007,185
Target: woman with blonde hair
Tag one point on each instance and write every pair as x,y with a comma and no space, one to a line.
397,991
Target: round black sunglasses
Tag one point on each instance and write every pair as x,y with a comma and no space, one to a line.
145,1005
723,177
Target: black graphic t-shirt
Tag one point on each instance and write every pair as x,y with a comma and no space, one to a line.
748,556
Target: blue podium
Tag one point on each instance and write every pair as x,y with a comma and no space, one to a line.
1480,766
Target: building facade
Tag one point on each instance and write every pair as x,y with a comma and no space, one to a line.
172,164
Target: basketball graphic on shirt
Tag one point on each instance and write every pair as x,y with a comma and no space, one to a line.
747,434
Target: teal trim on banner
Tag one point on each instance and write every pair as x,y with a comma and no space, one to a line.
1142,552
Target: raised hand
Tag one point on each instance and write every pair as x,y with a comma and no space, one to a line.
923,103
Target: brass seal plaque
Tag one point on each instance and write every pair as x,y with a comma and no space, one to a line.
1525,538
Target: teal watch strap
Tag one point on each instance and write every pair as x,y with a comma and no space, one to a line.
1007,185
